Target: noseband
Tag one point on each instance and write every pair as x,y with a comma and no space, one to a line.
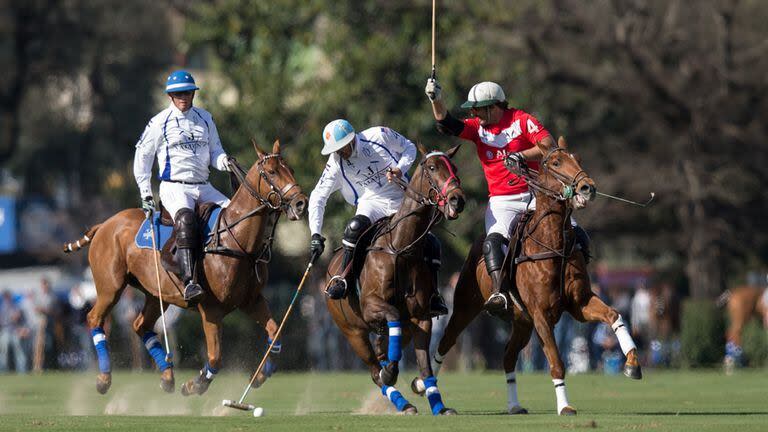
569,183
283,201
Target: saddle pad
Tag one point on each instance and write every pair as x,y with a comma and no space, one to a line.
143,238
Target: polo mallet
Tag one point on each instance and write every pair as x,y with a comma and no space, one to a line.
151,219
248,407
645,204
434,16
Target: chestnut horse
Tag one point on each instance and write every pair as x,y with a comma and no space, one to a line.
233,277
552,278
395,284
743,303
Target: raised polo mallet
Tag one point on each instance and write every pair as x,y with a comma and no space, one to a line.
248,407
434,16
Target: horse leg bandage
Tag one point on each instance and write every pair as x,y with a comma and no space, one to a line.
395,397
156,350
625,340
208,372
395,352
562,397
276,348
102,350
437,362
433,395
512,400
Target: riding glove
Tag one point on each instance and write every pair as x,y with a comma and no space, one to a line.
515,162
148,204
433,90
317,245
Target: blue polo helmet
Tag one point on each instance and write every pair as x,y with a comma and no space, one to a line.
336,135
180,80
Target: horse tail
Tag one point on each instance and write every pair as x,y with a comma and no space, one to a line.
82,241
722,300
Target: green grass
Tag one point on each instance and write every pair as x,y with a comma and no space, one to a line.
674,400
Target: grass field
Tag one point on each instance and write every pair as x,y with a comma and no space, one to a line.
674,400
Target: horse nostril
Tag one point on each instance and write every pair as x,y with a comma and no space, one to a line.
300,204
586,190
457,202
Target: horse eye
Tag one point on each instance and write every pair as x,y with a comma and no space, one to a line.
556,163
271,172
432,167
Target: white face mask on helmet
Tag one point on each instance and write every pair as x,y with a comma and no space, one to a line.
484,94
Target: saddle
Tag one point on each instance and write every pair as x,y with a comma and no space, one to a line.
361,250
168,251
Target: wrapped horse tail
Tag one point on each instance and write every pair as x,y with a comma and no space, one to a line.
82,241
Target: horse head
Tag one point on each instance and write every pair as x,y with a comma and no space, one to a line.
562,177
436,179
275,184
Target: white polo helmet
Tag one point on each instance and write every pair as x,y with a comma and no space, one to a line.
336,135
484,94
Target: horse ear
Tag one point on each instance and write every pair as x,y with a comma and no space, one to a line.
561,143
256,147
453,151
421,149
276,146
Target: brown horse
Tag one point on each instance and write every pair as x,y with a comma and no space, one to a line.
396,284
234,275
743,303
551,277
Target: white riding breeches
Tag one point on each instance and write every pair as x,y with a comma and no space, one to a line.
176,196
504,211
376,209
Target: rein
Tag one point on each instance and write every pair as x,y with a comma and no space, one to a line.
265,254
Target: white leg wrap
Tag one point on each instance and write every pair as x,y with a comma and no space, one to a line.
625,340
512,400
437,363
562,398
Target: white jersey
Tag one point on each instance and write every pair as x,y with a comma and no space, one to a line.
185,144
363,177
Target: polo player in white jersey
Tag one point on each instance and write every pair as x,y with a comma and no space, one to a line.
363,166
185,141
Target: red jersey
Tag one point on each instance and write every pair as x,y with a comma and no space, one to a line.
516,131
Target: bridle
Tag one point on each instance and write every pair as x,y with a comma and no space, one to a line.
568,183
275,201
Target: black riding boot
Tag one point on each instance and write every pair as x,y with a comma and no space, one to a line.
186,242
337,286
493,250
432,255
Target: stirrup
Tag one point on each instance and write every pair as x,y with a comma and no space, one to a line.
437,306
192,292
337,287
492,307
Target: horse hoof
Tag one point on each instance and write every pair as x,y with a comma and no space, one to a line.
633,372
185,389
388,374
167,381
409,409
417,386
568,411
448,411
516,410
103,382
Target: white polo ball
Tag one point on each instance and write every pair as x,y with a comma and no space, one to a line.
258,412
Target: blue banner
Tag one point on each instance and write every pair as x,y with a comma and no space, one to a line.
7,224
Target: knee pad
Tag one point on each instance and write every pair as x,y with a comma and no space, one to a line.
493,251
432,251
354,229
186,228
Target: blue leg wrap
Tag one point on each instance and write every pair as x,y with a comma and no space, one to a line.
433,395
209,372
269,368
102,350
395,352
276,348
156,350
395,397
383,363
